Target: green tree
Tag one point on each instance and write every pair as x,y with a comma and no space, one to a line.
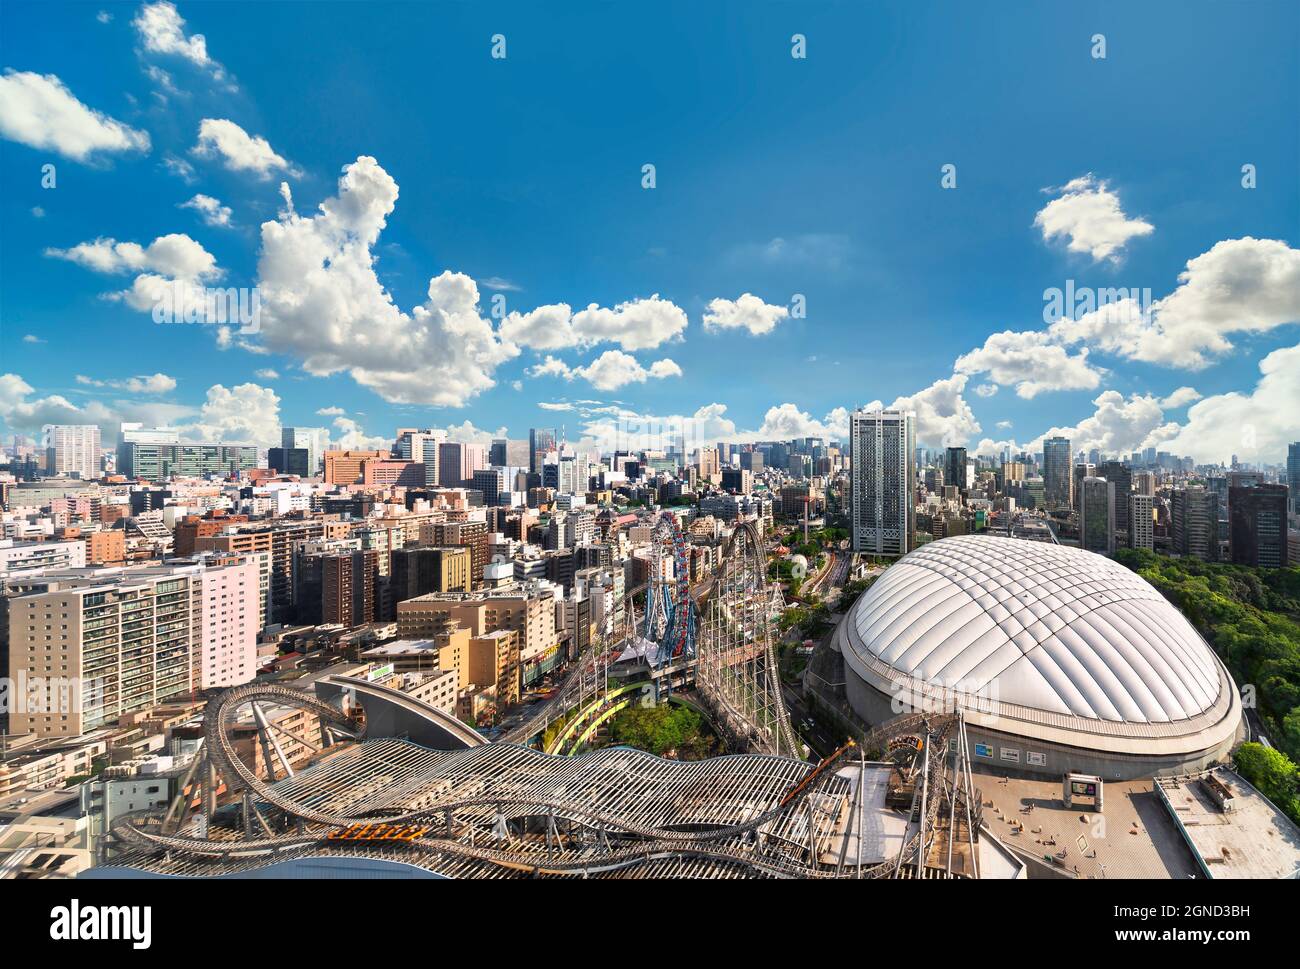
1273,774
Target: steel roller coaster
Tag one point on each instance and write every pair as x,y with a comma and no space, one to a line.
485,809
337,783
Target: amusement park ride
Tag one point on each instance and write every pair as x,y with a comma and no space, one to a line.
366,769
707,642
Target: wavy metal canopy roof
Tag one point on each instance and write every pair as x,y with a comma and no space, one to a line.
1043,626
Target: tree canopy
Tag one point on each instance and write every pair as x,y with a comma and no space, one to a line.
1251,616
666,730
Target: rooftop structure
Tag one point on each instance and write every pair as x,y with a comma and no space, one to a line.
1232,830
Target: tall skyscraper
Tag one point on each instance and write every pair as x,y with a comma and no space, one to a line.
1081,470
1257,525
541,441
457,463
1196,523
414,445
572,477
1293,475
1121,476
72,449
1056,473
1097,515
883,481
954,468
311,439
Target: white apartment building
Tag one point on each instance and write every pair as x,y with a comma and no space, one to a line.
72,449
31,557
1141,529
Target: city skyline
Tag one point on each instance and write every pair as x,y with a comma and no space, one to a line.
764,288
761,441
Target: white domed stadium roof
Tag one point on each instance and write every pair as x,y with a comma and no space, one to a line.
1040,626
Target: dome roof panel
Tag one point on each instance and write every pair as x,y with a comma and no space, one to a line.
1044,626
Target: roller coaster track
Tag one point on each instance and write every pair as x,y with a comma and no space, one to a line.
737,843
658,843
737,677
738,672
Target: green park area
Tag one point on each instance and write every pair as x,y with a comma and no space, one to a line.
668,730
1251,617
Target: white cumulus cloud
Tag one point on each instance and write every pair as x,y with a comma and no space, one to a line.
1180,398
37,110
1242,285
210,210
1089,215
222,139
162,31
1031,362
747,312
158,383
247,413
1256,426
611,370
323,303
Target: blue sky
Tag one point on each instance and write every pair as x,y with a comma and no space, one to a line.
775,176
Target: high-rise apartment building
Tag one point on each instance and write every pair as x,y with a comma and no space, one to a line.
709,463
468,534
72,449
105,644
1141,523
350,587
1012,471
1057,491
275,543
420,570
883,481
